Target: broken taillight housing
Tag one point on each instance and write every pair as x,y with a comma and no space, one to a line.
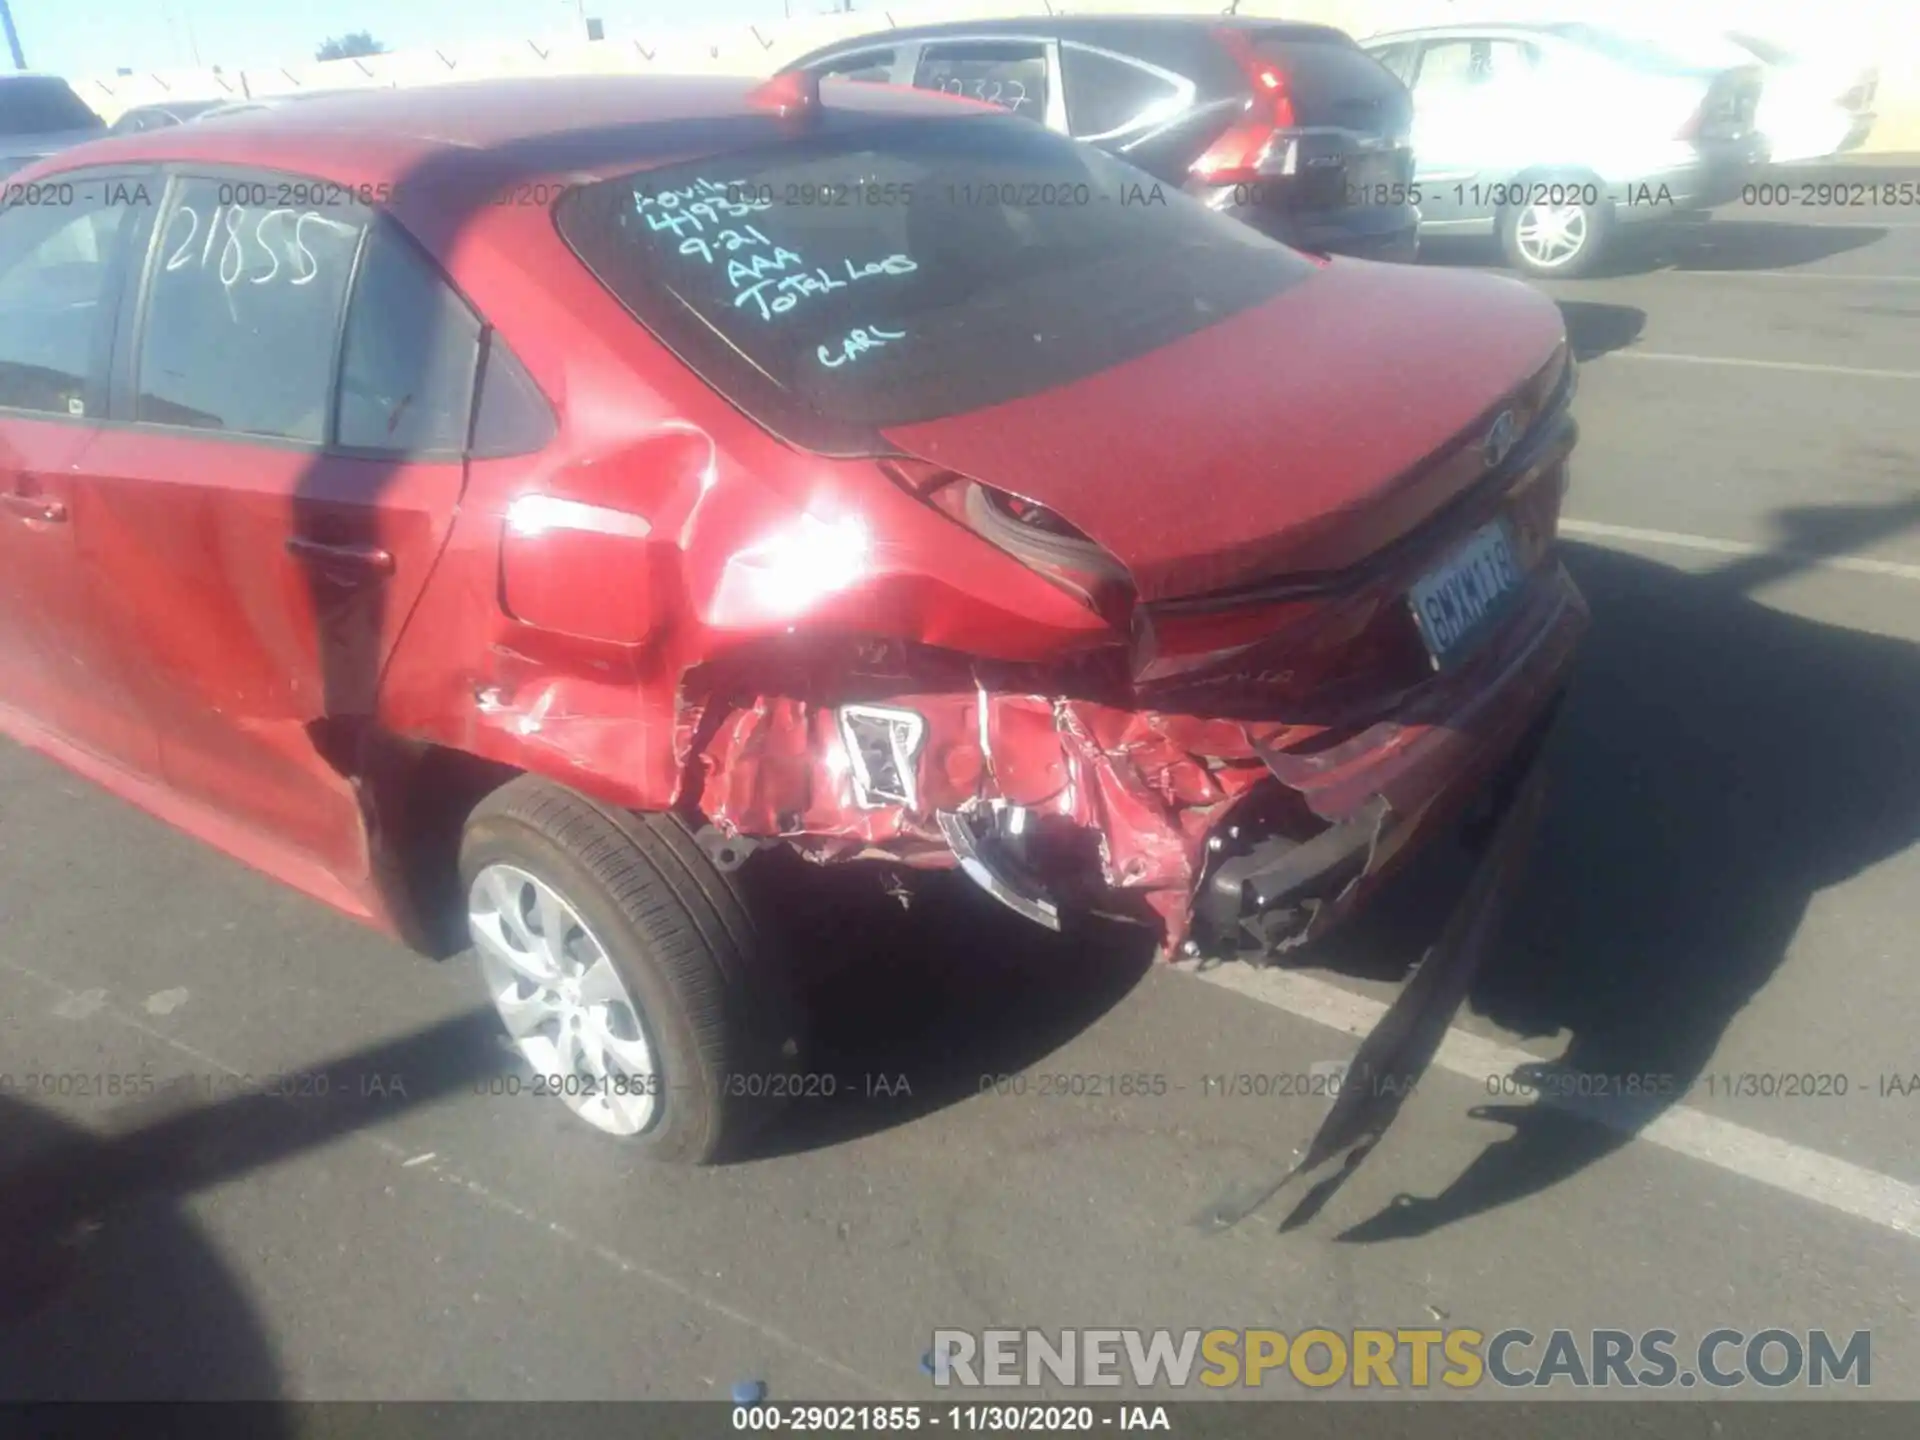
1040,539
1253,145
883,750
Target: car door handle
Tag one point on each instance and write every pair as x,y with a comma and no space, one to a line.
368,559
35,507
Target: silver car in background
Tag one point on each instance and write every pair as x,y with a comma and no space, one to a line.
1553,137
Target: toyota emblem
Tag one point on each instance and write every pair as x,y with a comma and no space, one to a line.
1499,442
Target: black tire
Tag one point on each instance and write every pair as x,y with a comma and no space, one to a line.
1598,227
679,932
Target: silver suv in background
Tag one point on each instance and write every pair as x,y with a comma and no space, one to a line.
40,115
1554,137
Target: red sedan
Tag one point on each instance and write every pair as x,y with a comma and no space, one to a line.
565,490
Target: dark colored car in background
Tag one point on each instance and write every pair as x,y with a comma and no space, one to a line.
40,115
1292,128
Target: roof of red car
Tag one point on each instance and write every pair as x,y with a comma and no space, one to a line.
391,128
445,149
445,158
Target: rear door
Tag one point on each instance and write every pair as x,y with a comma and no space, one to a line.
287,473
63,267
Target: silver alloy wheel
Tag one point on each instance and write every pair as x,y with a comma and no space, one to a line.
562,1001
1551,235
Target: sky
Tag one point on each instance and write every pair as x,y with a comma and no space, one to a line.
81,38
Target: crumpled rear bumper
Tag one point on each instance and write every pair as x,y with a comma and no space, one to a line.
1073,803
1383,791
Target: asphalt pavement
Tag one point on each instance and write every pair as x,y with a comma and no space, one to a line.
1725,897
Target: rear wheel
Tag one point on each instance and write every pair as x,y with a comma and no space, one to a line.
1547,240
627,971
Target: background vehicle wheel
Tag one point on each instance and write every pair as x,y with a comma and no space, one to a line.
1556,241
625,965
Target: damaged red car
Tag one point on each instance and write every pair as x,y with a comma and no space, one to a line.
577,488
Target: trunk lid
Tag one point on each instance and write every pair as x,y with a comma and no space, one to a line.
1297,437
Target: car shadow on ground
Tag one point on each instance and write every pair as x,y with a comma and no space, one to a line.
1719,763
1594,329
141,1308
918,1006
1704,246
107,1289
1749,244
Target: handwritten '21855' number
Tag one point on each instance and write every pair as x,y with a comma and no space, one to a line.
225,237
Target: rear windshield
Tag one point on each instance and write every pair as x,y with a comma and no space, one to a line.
909,268
42,105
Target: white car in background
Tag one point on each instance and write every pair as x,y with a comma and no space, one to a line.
1810,108
1556,136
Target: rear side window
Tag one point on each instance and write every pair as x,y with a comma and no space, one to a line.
1452,66
978,258
56,272
1107,95
243,309
873,67
1009,73
511,417
411,351
43,105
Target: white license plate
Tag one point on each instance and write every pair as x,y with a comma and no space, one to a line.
1453,602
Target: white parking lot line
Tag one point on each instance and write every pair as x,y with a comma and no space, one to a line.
1838,1185
1803,366
1596,530
1793,275
1863,223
